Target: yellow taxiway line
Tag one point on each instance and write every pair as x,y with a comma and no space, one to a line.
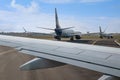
2,53
117,42
94,42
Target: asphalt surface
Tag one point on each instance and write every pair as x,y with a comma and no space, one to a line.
10,60
110,43
101,42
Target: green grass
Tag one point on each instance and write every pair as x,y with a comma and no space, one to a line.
90,37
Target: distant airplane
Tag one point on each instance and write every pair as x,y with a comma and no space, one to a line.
24,30
1,31
63,32
49,54
103,34
27,33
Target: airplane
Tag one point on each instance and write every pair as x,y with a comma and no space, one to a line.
63,32
51,54
104,35
26,33
24,30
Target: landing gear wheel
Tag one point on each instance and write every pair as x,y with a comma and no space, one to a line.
72,38
59,39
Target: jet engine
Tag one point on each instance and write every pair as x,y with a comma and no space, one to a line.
57,37
77,37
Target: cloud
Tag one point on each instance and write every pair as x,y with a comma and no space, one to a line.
30,18
70,1
33,7
14,21
57,1
92,1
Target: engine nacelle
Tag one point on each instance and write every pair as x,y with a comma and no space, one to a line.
40,63
77,37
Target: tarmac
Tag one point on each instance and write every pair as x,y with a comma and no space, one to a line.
11,59
100,42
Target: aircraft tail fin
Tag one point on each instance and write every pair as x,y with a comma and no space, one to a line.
24,30
100,29
57,23
45,28
56,19
67,28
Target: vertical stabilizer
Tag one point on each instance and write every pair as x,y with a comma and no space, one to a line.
25,30
101,35
56,19
100,29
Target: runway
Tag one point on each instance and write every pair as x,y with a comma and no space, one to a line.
10,60
110,43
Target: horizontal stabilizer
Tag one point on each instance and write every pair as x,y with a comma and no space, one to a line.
46,28
67,28
40,63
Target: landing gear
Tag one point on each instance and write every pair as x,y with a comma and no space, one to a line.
72,38
101,37
111,37
77,36
108,37
57,37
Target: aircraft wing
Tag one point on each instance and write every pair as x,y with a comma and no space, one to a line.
97,58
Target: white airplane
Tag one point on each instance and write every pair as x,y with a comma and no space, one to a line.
103,34
25,31
55,53
63,32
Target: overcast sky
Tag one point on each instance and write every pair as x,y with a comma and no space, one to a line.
84,15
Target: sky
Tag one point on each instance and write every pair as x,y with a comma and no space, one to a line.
84,15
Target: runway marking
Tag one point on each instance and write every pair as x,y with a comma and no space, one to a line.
94,42
2,53
117,42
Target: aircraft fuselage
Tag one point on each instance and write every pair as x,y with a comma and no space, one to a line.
67,33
